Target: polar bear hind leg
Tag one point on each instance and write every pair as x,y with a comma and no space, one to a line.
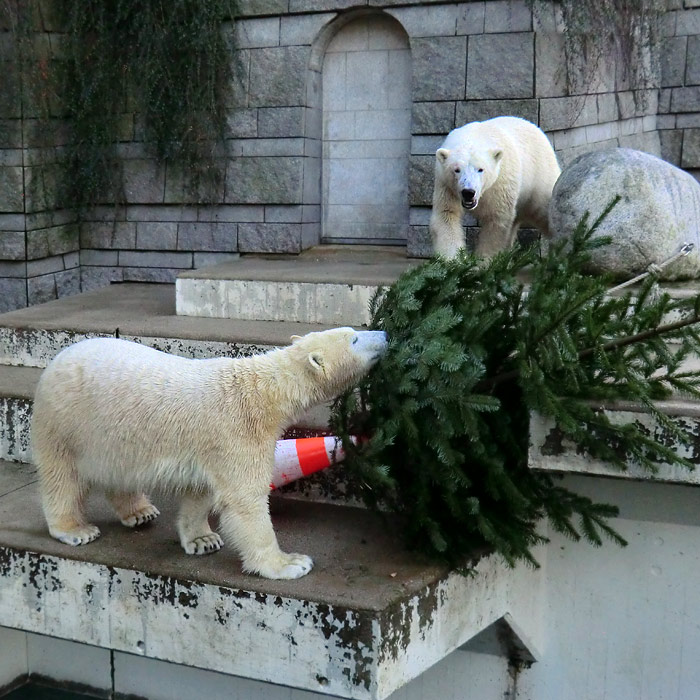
196,536
132,508
63,494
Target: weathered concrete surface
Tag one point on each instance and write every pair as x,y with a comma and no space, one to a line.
549,450
327,285
658,213
141,312
369,617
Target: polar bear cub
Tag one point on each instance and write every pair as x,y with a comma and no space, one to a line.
502,170
127,418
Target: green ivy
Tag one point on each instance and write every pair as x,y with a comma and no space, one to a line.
108,69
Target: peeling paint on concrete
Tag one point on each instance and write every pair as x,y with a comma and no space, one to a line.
15,418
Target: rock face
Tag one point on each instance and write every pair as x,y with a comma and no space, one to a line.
659,211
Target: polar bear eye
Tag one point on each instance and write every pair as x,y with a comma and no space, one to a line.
481,170
355,339
457,170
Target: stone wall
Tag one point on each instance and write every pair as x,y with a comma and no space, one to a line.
679,97
469,60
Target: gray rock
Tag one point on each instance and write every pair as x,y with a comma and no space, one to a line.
658,212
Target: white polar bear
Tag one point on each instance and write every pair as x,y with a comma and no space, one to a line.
128,418
502,170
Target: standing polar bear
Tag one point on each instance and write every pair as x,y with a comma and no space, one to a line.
503,171
128,418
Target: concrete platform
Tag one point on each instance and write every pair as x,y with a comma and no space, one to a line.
326,284
367,619
141,312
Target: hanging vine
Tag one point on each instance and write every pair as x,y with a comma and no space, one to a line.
101,74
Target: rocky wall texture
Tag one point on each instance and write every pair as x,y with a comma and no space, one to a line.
469,61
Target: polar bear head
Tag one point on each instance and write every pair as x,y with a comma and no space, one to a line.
335,360
469,171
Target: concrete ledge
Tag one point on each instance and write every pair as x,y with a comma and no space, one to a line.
141,312
368,619
549,451
326,285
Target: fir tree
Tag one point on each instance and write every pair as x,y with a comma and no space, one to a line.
473,351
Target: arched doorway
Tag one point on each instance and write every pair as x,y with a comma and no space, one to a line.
366,106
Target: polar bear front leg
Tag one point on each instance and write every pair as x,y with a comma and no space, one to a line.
132,508
196,536
497,232
446,231
245,519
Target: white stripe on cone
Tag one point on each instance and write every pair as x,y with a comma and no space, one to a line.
300,457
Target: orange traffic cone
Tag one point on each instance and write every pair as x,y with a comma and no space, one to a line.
303,456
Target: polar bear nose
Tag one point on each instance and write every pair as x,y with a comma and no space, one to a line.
468,195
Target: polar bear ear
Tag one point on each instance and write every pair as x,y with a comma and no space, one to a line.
442,154
316,361
497,153
294,338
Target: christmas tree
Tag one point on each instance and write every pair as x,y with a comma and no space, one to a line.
473,352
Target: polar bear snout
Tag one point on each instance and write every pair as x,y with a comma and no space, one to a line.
469,200
370,344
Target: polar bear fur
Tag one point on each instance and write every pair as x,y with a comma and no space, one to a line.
128,419
501,170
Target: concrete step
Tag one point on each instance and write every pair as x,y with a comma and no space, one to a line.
369,617
144,313
327,284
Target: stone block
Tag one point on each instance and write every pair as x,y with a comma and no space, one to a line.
310,234
692,66
310,213
436,20
283,214
272,147
269,238
10,133
479,110
56,240
41,289
507,16
156,235
162,275
67,282
673,59
12,245
257,33
160,213
11,104
691,149
426,145
102,258
98,277
471,18
607,108
71,260
221,237
433,117
181,187
144,181
11,189
500,66
209,259
420,180
242,123
687,121
280,122
11,157
278,76
232,213
116,235
568,112
550,65
671,142
13,294
685,99
13,269
263,7
418,243
301,30
45,266
240,79
259,180
439,68
688,22
12,222
132,258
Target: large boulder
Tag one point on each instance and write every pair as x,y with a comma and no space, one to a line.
658,213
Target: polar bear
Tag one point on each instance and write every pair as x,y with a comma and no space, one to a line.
127,418
502,170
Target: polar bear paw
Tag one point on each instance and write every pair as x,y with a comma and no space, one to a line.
141,516
285,566
205,544
77,536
